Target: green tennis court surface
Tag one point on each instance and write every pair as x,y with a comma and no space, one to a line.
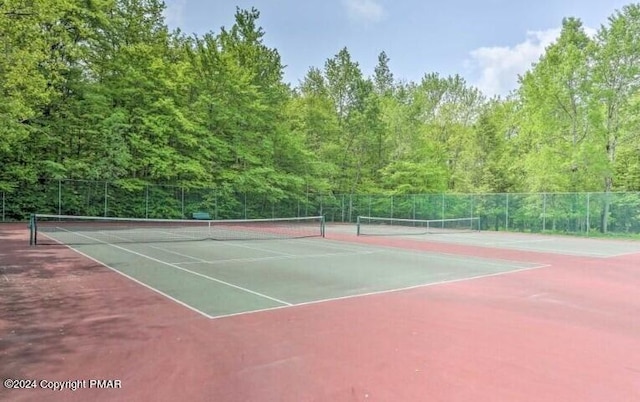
231,277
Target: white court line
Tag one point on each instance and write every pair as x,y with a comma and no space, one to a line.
331,244
499,243
175,234
166,250
158,291
578,253
276,257
378,248
186,270
457,256
430,255
622,254
380,292
261,249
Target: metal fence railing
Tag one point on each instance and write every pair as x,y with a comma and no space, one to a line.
576,213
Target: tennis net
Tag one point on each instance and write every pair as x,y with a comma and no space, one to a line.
372,226
65,229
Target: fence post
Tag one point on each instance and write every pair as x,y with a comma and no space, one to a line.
306,204
106,183
544,211
3,206
588,212
472,198
391,207
146,201
59,197
442,213
215,204
507,214
414,208
182,201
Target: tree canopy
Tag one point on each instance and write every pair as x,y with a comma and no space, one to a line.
104,90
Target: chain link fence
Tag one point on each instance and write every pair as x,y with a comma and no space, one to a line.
575,213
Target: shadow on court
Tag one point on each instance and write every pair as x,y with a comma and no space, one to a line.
55,305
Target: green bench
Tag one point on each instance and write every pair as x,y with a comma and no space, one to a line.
204,216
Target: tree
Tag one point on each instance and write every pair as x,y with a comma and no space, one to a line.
555,131
616,84
448,108
494,167
383,77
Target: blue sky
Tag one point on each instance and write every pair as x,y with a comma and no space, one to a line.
487,42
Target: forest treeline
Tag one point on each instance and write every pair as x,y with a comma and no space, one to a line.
104,90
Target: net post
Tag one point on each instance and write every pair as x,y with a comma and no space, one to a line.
358,226
32,230
322,225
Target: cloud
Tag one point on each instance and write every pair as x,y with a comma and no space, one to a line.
174,13
499,66
364,10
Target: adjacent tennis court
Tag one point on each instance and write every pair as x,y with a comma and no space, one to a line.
466,231
297,309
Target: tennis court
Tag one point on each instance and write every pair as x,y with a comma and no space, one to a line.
301,310
292,264
464,231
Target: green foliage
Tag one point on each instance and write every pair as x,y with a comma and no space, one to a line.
102,91
561,152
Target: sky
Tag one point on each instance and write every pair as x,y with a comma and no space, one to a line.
487,42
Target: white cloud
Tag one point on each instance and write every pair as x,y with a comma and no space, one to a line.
499,66
364,10
174,13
